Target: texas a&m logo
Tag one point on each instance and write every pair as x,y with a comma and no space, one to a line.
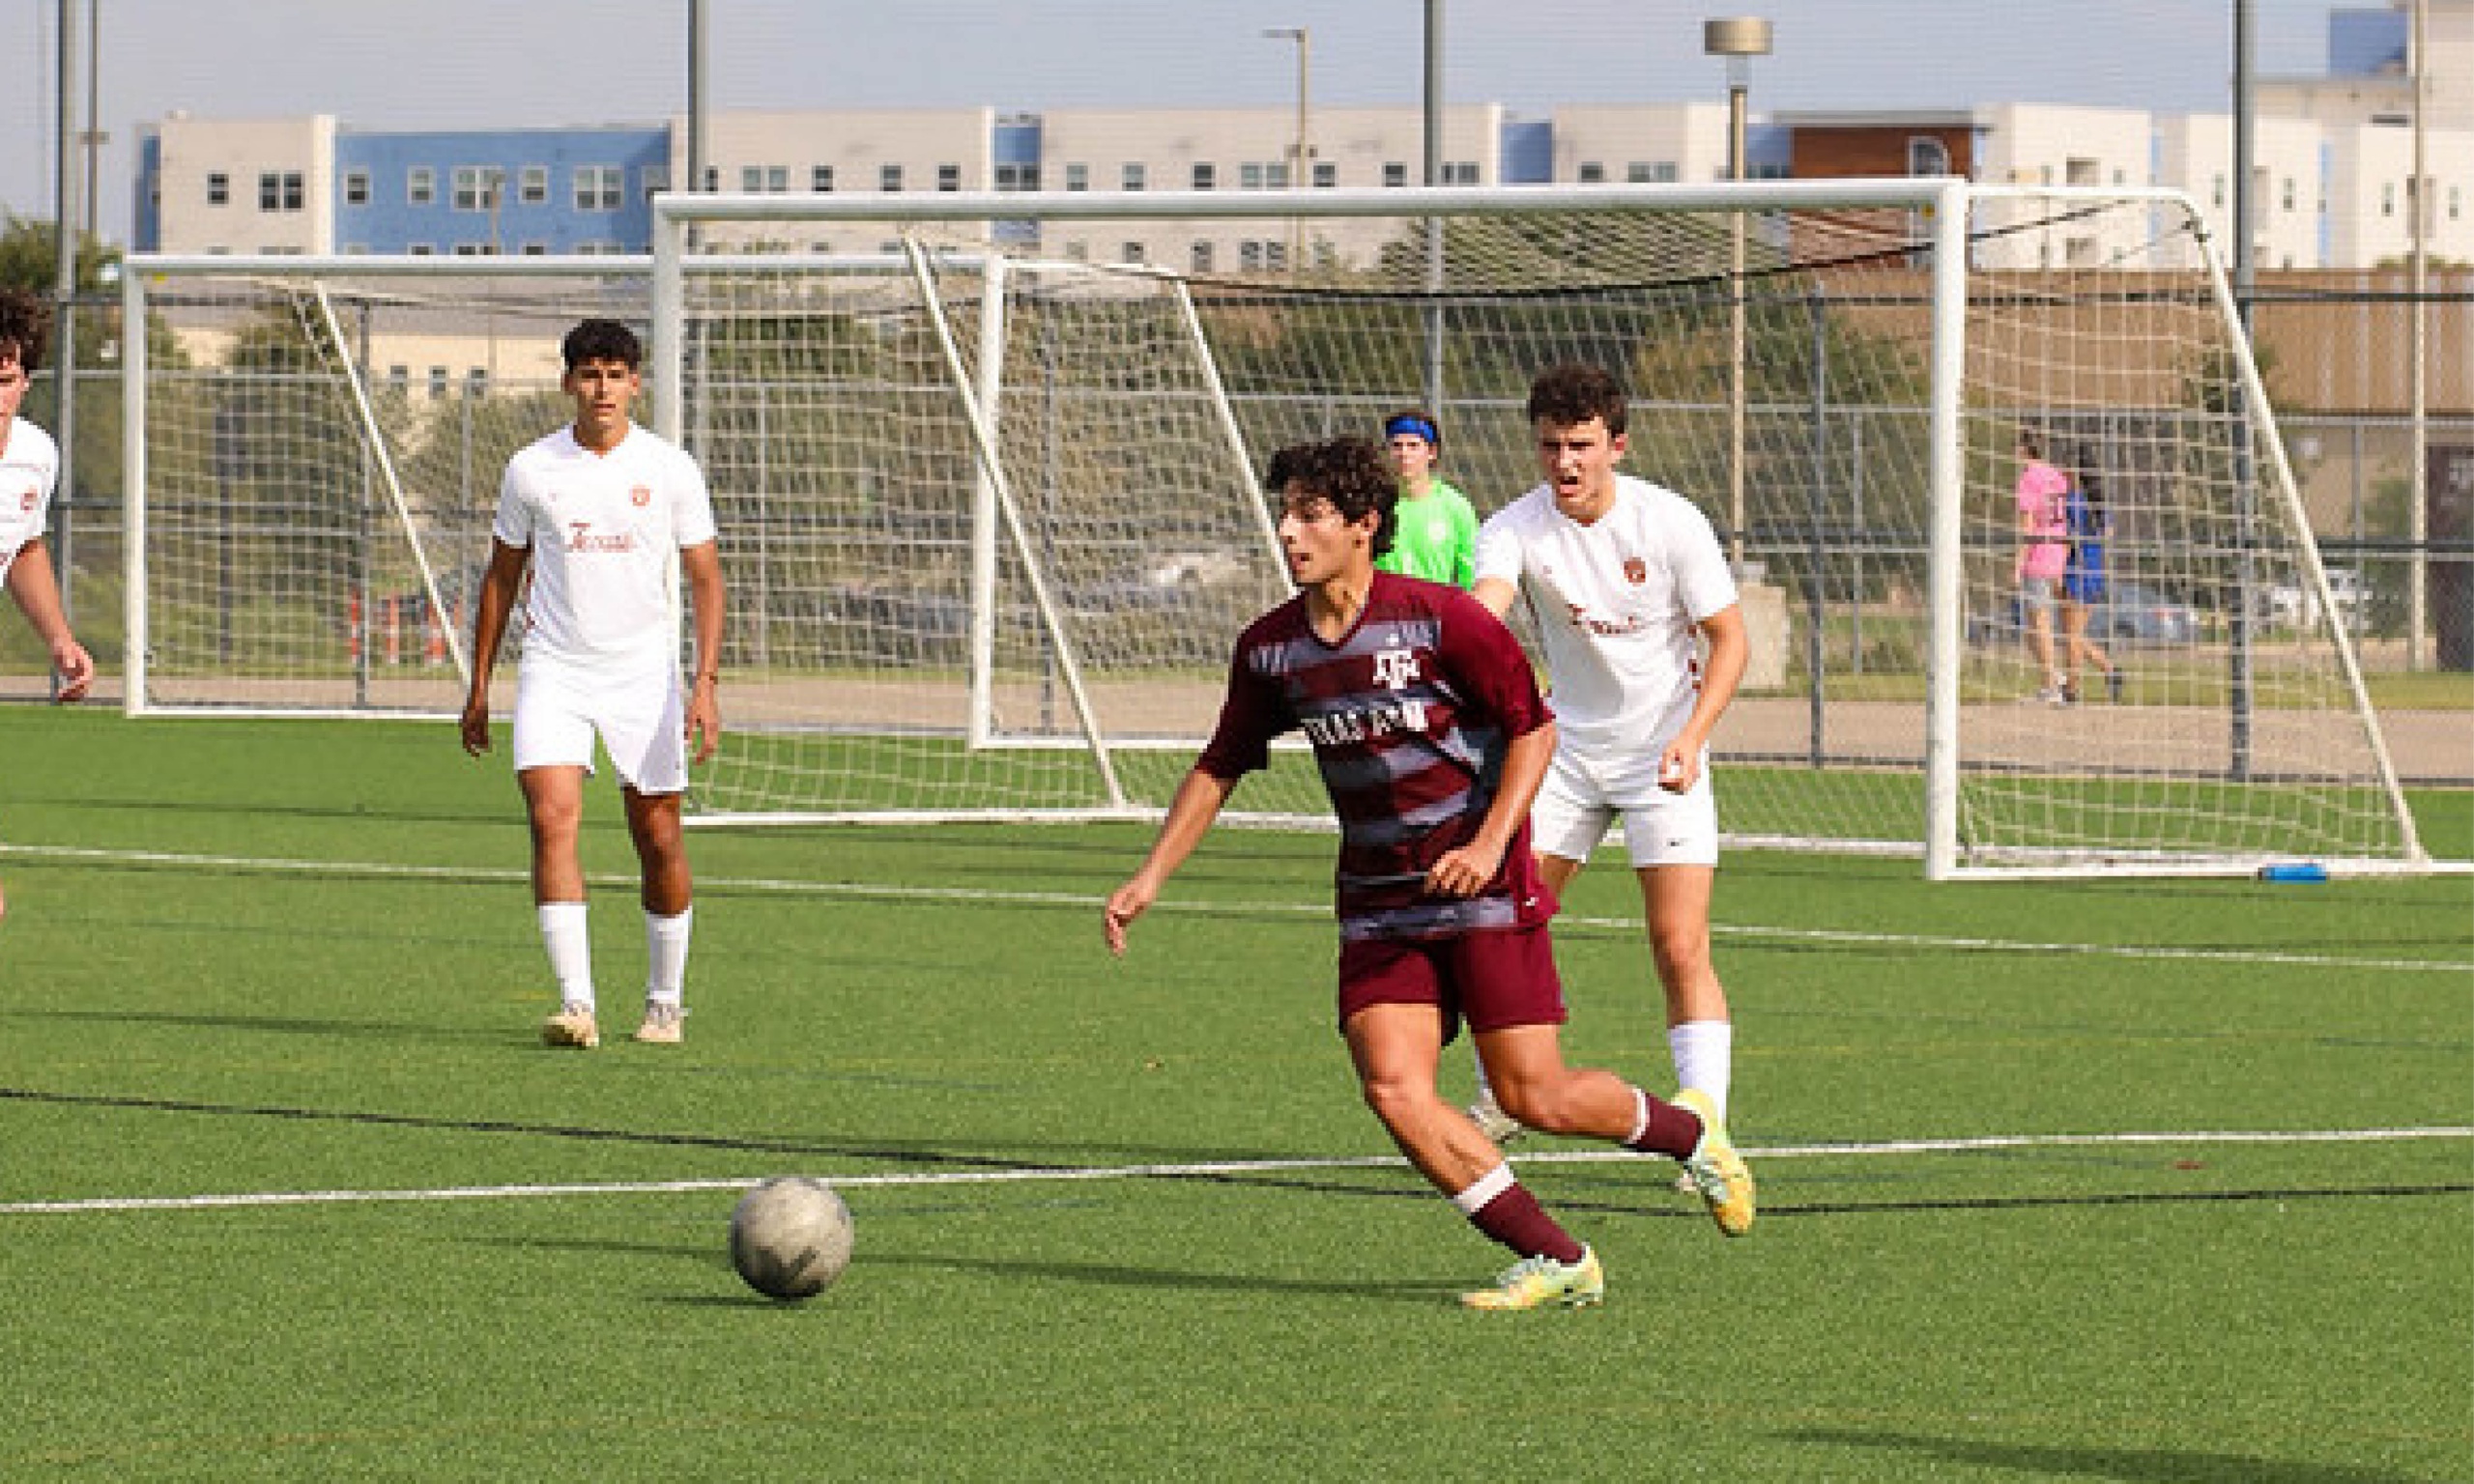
1395,669
642,496
1635,571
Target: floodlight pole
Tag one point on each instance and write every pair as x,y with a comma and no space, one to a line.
1299,150
1433,175
1739,39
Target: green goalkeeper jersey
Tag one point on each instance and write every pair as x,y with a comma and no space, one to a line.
1436,537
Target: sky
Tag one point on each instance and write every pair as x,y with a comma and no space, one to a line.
484,64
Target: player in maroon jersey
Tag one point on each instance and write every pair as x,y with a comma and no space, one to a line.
1431,737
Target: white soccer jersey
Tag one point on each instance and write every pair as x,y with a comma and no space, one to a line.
29,467
602,528
1616,602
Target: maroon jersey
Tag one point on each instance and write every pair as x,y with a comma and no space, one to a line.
1409,715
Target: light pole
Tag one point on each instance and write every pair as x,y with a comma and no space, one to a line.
1300,150
1738,39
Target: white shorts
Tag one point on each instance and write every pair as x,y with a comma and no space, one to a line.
635,708
1580,799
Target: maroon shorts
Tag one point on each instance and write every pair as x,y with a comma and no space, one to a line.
1497,978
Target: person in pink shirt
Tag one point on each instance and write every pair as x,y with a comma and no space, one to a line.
2044,553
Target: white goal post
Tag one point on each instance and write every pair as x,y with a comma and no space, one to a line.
987,471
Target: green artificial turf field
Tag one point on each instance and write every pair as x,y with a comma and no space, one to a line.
2135,1181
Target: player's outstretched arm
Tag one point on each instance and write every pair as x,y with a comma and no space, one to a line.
1190,813
489,625
38,593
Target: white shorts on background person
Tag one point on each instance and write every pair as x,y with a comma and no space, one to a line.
635,708
1580,798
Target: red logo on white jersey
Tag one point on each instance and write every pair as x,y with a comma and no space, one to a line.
28,500
642,494
1635,571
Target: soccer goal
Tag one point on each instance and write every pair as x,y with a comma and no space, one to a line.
995,491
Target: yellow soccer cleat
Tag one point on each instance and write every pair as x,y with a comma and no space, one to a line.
663,1025
1535,1281
572,1026
1715,1169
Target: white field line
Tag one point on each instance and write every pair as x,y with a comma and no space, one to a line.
1891,1148
881,892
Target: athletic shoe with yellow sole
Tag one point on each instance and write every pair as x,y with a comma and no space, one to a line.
1716,1170
572,1026
1537,1281
663,1025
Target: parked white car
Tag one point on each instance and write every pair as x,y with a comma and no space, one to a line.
2292,606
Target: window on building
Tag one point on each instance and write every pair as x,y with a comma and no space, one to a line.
1199,257
356,188
1461,172
1396,172
421,186
651,178
1592,172
533,185
1077,176
1130,252
475,187
1326,173
1206,175
2080,170
1130,176
437,381
820,180
949,178
399,377
2079,251
1250,175
535,249
777,179
2453,202
1024,177
419,250
760,179
1927,154
472,249
2284,197
889,177
712,177
2388,199
218,189
2216,191
600,188
477,381
280,190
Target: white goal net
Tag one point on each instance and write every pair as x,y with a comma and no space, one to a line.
986,470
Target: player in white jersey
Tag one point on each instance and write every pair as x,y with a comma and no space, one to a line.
29,467
1626,582
599,511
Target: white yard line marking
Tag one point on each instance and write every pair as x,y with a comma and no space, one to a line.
1087,1173
880,892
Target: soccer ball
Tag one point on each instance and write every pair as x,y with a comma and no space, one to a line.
791,1237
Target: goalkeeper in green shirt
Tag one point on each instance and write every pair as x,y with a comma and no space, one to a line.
1437,535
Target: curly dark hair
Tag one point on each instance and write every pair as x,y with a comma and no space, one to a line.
1571,395
1352,473
602,340
25,328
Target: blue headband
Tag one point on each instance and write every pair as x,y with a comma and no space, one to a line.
1414,425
